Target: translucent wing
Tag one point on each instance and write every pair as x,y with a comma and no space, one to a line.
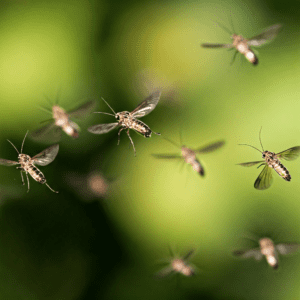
290,154
188,255
164,272
264,179
287,248
266,36
102,128
147,105
84,110
209,45
249,253
251,163
48,133
8,163
46,156
210,147
167,156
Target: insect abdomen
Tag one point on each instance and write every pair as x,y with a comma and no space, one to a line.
251,57
36,174
281,170
141,127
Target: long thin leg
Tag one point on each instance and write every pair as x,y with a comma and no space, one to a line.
131,142
27,182
22,178
119,135
156,132
233,58
51,188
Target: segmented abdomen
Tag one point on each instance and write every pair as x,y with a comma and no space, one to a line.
141,127
281,169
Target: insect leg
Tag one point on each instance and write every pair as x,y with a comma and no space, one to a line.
233,58
27,182
51,188
261,165
119,135
156,132
131,142
21,176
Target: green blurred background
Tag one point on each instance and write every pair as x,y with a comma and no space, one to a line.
81,245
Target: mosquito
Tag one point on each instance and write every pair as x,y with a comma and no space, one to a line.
61,121
271,161
179,265
243,45
268,249
189,155
27,164
128,120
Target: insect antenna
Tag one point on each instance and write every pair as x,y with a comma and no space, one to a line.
24,141
224,28
45,109
231,23
249,146
260,139
175,144
100,112
109,106
13,146
49,101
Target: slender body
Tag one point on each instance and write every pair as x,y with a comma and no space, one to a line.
179,265
129,120
243,46
61,121
189,155
27,164
271,161
268,249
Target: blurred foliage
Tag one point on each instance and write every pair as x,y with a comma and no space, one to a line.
102,240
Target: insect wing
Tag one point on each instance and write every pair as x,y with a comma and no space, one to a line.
287,248
48,133
46,156
188,255
102,128
209,45
264,179
249,253
290,154
167,156
147,105
8,163
251,163
210,147
266,36
84,110
164,272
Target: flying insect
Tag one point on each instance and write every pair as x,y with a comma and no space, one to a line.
268,249
271,161
61,121
27,164
128,120
189,155
242,45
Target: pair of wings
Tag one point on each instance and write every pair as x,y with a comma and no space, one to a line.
205,149
256,252
141,110
266,36
52,133
167,271
43,158
265,178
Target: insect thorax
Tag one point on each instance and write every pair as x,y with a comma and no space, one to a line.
128,121
28,166
266,246
60,116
